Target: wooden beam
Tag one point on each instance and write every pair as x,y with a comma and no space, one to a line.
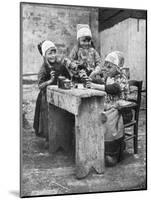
110,17
107,13
118,17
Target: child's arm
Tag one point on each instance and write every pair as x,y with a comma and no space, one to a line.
124,85
96,86
42,79
112,89
98,65
69,65
98,62
73,54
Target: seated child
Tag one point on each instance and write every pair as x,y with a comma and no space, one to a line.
116,87
52,67
84,54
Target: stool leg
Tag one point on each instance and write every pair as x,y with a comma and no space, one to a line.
136,138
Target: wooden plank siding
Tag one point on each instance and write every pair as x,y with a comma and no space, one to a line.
125,30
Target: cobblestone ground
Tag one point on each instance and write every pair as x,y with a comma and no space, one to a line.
45,174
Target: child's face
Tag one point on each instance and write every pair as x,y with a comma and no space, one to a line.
85,42
50,55
110,68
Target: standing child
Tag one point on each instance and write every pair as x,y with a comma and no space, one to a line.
52,67
84,53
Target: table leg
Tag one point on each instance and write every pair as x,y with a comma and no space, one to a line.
89,137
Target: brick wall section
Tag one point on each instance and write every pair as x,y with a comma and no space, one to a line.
56,23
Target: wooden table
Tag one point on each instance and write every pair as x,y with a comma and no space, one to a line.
79,110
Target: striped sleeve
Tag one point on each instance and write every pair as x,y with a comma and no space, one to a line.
98,62
73,54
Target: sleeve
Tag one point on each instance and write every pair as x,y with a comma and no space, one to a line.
41,75
98,62
65,72
124,85
42,78
66,62
70,66
98,81
113,89
65,65
73,54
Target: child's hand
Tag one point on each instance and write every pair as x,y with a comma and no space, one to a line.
82,73
74,66
52,73
109,81
88,84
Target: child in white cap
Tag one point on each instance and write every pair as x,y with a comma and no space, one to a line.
117,88
84,53
115,81
52,67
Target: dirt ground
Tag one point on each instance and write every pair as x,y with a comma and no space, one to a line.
45,174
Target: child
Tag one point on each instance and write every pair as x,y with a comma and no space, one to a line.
52,67
84,54
116,87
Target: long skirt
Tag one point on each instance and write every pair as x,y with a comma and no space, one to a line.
114,134
115,148
41,116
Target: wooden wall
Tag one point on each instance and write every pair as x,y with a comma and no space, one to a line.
128,36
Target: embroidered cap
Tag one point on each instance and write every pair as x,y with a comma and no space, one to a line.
83,30
115,57
47,44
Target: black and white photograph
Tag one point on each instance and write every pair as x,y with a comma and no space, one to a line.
83,91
